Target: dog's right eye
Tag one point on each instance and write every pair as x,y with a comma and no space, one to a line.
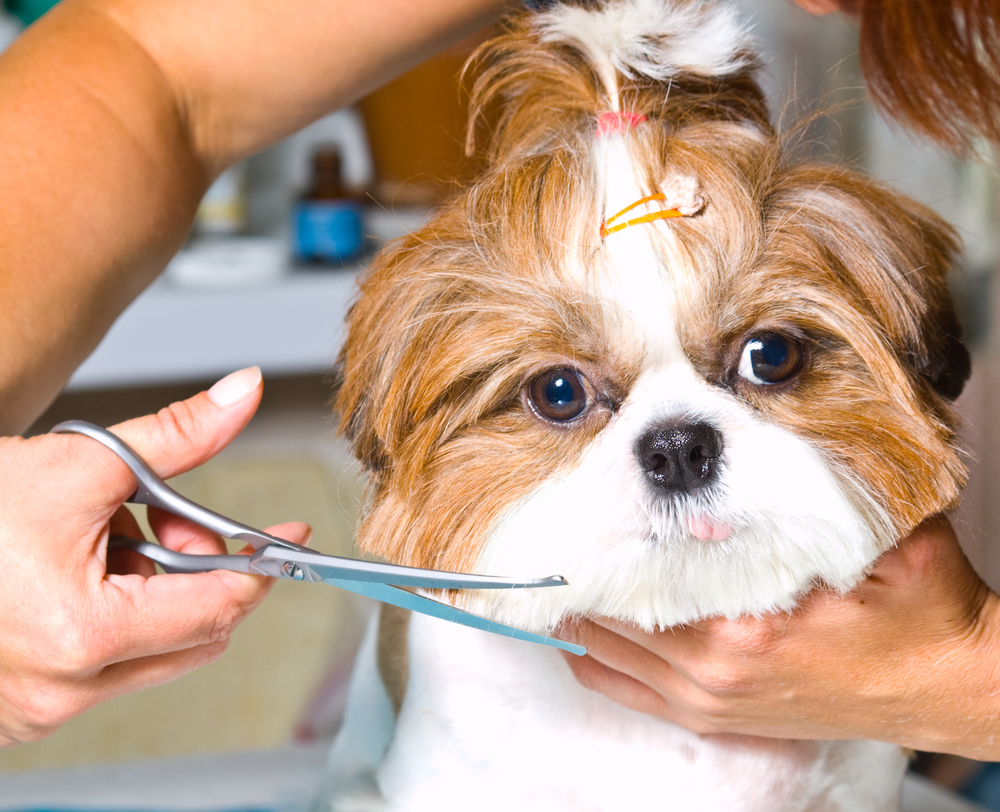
558,395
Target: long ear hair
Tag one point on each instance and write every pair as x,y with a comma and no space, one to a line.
934,65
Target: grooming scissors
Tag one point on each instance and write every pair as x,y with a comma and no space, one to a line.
278,558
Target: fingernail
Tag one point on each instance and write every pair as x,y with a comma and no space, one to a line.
235,386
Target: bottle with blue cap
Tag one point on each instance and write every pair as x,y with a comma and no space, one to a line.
326,220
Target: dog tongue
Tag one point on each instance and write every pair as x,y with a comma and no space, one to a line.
709,529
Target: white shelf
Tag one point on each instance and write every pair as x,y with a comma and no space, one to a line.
172,334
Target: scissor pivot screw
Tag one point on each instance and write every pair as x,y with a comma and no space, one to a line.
293,571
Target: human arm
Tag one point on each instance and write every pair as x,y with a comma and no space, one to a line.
75,634
911,656
117,114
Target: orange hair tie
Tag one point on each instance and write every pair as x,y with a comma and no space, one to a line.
662,214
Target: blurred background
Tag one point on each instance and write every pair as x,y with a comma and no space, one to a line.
266,279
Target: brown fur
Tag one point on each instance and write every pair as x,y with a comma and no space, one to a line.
454,321
934,65
393,652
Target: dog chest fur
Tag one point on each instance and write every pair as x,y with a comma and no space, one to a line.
497,724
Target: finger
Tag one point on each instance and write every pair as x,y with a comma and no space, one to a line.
176,439
618,653
676,644
636,678
183,535
609,647
190,432
171,612
712,643
128,677
295,532
619,688
126,562
673,663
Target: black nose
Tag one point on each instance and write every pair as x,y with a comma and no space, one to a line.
680,456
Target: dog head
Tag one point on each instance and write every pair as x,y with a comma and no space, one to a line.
647,349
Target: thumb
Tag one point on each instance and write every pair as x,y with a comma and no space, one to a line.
188,433
178,438
172,612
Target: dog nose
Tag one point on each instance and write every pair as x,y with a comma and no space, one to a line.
680,457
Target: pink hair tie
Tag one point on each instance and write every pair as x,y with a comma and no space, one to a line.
618,122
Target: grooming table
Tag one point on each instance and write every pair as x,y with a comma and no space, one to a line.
263,781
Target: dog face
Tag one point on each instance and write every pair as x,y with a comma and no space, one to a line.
685,417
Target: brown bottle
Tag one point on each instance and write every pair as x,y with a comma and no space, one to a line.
327,182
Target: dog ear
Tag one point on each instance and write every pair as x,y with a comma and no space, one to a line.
894,255
942,358
946,363
354,387
349,415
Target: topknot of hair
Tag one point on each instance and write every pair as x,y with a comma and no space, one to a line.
651,38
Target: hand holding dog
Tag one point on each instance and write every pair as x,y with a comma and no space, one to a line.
911,656
76,632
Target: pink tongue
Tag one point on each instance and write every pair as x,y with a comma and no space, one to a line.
708,529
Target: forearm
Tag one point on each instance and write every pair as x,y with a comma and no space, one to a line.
99,184
249,72
116,115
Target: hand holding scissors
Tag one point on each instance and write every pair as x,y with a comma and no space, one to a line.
76,632
282,559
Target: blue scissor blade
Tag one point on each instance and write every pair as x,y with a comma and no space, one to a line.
427,606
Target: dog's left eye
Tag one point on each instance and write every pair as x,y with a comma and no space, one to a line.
770,358
558,395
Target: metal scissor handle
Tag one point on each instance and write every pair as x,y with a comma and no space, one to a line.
154,492
175,562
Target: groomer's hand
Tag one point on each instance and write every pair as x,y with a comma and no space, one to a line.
75,632
912,656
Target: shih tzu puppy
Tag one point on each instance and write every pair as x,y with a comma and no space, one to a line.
653,351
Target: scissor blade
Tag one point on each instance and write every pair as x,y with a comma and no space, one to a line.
418,603
283,561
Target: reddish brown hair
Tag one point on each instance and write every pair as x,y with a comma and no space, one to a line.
934,65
